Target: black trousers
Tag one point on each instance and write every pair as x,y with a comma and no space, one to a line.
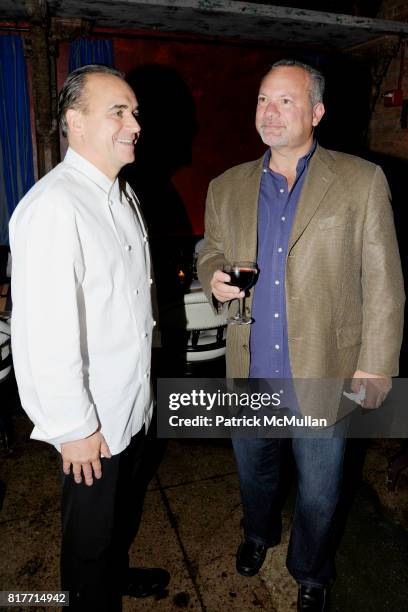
99,524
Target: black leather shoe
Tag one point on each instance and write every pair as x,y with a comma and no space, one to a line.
250,557
144,582
311,599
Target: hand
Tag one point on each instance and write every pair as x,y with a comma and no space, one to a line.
221,290
376,386
84,456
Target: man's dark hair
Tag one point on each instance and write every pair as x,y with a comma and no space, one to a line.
71,94
316,78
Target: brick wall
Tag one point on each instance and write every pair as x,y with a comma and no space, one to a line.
393,9
385,134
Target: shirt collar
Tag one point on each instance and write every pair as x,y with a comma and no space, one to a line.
302,162
84,166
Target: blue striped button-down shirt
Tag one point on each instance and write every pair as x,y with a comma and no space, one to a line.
276,212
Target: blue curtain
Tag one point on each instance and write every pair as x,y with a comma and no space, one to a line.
16,151
84,51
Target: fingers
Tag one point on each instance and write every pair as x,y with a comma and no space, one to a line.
84,456
76,470
375,394
221,290
381,397
87,472
356,384
105,451
97,469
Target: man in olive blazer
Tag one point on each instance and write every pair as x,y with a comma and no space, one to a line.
344,289
344,307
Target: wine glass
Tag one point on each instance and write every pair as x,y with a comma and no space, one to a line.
243,274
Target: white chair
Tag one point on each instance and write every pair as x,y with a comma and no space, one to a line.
5,350
192,327
207,329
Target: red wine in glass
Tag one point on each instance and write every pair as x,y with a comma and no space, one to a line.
242,277
242,274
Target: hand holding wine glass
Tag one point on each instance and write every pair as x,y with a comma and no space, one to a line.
221,288
243,275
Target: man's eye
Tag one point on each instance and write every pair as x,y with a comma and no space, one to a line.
286,101
136,114
119,113
261,99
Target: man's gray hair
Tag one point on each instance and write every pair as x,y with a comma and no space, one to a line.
71,94
316,78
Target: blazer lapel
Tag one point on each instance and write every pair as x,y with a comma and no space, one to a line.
318,180
248,209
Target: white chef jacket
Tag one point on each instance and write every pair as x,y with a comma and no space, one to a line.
82,318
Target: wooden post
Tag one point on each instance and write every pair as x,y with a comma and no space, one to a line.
43,80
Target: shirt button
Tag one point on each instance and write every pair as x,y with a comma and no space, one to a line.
151,281
144,335
276,371
144,238
276,315
154,323
277,347
110,203
136,291
281,392
276,282
127,247
281,191
146,375
283,218
280,250
264,171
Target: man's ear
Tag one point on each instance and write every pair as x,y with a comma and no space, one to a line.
74,119
318,112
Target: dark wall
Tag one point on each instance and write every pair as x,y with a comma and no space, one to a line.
197,102
197,112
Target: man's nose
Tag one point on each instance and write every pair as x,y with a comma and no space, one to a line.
272,108
133,124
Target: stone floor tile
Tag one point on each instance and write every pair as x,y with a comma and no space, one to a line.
190,460
157,545
31,550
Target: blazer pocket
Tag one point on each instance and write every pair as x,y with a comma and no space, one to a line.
349,336
334,221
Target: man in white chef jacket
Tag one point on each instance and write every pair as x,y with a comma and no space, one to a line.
82,332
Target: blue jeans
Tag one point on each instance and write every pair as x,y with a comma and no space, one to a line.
319,464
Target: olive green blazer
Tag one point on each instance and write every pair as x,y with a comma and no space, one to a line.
344,286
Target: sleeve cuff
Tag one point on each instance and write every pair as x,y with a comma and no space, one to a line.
87,428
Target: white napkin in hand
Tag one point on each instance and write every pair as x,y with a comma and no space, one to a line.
356,397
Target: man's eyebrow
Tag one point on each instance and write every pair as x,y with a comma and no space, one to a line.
122,107
118,106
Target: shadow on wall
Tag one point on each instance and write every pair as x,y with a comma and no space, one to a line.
168,121
347,101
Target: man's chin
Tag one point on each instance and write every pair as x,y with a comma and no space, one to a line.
273,142
129,158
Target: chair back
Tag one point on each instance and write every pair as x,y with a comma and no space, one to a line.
192,326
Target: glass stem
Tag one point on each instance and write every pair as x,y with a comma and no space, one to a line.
241,307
